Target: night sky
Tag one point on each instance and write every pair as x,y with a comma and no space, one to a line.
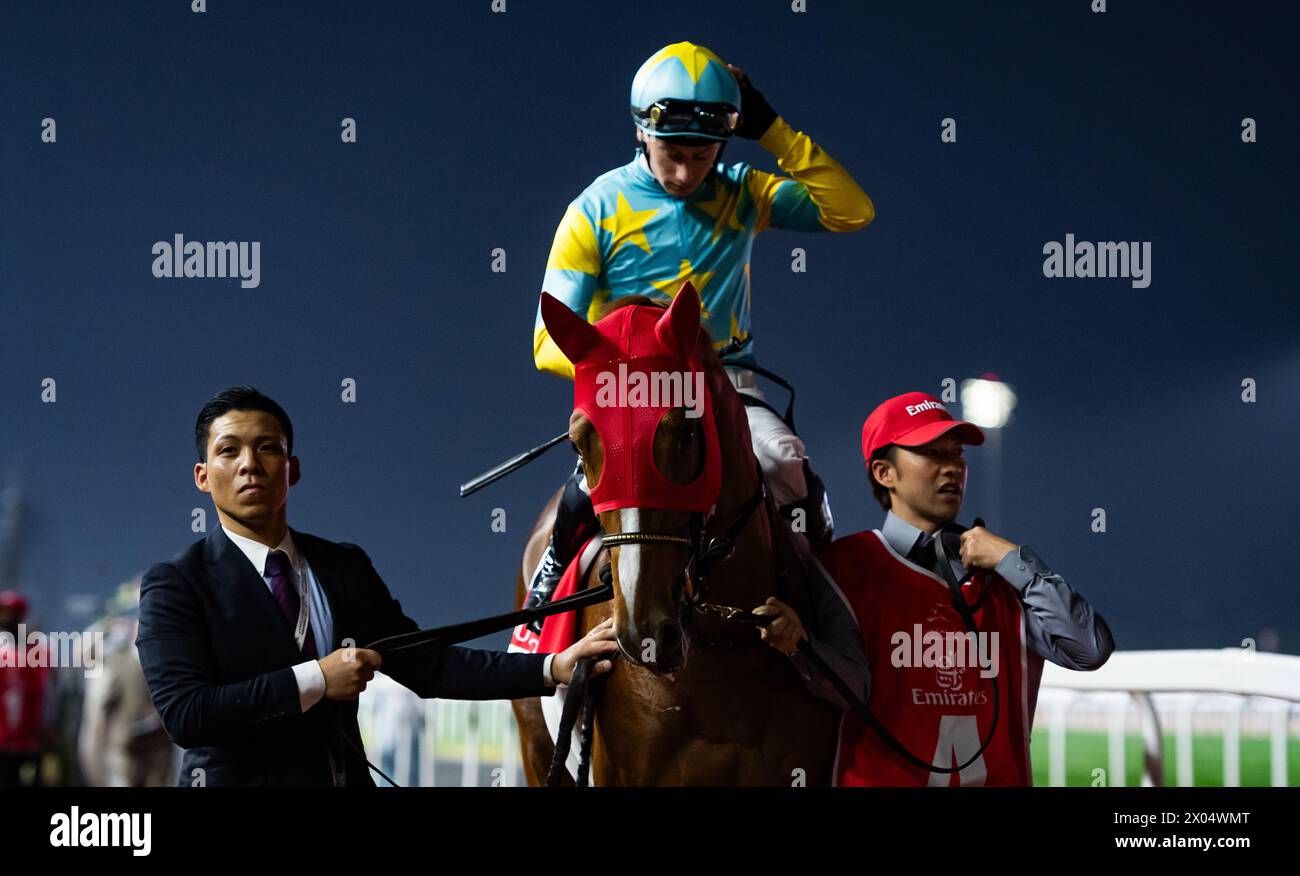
475,130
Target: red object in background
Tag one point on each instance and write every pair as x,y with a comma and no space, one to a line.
22,698
14,601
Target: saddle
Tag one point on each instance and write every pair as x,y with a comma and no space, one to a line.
559,631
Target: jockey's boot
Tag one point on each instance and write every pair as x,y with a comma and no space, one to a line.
817,523
575,522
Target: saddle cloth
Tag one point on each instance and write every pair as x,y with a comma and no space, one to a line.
559,631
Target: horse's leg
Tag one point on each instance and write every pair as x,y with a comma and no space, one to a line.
536,748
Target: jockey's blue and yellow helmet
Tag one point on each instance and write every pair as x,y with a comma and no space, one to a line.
686,91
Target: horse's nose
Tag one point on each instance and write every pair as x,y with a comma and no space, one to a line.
671,654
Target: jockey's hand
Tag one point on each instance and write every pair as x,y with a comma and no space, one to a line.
981,549
597,643
786,631
756,116
347,671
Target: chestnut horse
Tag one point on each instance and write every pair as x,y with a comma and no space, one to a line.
714,705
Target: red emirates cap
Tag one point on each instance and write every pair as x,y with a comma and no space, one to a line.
912,419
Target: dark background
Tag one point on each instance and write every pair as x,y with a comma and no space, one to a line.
476,129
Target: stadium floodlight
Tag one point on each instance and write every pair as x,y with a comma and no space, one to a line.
987,402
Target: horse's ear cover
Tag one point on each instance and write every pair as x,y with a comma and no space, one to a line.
678,329
572,334
647,341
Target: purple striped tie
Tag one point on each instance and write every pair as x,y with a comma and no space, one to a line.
286,596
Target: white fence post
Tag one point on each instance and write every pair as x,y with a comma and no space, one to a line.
429,751
1115,748
510,753
1278,742
469,766
1232,746
1183,745
1056,746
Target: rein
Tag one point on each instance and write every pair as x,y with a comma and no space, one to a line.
464,632
582,693
704,555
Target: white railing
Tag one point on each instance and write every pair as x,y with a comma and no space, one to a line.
1234,692
435,742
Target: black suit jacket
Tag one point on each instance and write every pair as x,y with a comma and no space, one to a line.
218,655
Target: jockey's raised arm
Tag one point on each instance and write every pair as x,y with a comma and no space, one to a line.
676,213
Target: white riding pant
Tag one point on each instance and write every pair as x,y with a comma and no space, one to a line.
780,452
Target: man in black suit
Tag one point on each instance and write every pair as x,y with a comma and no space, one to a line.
240,635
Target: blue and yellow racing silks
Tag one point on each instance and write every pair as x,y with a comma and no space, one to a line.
625,235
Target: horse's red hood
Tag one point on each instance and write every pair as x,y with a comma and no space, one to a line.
649,342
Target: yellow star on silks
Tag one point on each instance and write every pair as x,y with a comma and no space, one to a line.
597,303
694,58
722,208
685,272
626,225
735,333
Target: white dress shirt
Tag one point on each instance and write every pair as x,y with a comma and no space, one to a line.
310,677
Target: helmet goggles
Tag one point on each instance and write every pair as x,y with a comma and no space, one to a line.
673,116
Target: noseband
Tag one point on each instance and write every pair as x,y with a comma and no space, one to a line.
704,553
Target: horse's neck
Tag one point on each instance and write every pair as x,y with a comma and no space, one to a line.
739,467
749,577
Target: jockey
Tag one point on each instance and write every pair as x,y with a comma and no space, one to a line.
676,213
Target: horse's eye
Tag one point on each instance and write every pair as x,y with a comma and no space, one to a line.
687,439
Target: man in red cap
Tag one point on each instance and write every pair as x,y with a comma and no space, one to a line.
955,622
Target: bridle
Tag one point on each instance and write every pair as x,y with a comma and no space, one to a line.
705,552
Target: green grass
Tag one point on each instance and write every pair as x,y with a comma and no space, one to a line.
1085,752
